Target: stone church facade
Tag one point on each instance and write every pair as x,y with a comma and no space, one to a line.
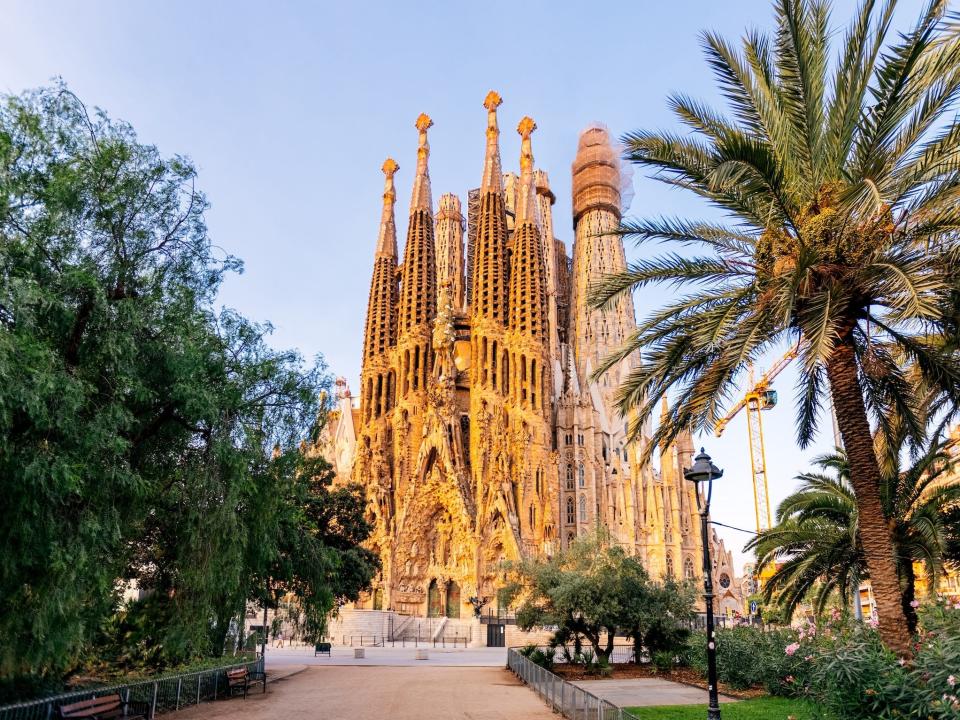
479,436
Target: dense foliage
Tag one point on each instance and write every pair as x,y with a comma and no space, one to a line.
815,546
845,667
837,172
143,436
594,590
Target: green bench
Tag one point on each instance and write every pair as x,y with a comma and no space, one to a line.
320,648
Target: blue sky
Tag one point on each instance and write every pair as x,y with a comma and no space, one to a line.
289,109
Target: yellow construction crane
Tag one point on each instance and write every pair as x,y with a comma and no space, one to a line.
759,397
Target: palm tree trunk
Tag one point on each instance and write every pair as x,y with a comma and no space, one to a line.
875,530
909,593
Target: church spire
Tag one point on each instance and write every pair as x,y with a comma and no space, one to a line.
528,299
527,196
418,285
492,174
380,332
489,282
422,198
387,241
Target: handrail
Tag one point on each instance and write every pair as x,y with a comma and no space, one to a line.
571,701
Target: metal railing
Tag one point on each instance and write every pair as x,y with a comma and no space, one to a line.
563,697
163,694
444,641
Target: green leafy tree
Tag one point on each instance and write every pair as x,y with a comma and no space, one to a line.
575,590
595,590
142,435
816,542
839,179
656,615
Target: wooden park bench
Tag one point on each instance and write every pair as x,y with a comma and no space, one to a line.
106,706
320,648
241,678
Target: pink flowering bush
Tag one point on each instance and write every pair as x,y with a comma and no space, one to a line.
843,666
750,657
855,677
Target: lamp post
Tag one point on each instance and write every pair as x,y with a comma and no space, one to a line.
705,471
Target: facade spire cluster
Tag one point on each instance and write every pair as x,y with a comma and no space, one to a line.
480,436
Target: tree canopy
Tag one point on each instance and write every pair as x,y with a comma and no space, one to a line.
143,435
594,590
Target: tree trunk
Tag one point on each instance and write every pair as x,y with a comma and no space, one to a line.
875,528
909,593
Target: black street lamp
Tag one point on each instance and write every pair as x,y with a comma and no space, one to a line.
705,471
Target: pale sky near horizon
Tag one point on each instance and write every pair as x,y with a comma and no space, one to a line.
289,109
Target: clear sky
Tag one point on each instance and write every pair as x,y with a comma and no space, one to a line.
289,109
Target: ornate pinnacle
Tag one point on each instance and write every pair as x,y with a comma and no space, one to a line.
387,241
526,127
422,199
390,166
423,122
526,202
492,175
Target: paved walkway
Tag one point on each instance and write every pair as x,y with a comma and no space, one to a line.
384,693
643,692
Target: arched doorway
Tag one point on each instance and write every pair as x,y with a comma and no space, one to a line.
453,600
434,606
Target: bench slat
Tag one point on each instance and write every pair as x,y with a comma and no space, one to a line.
92,707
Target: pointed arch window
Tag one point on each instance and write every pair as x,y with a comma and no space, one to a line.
581,476
569,477
583,508
571,517
688,572
669,565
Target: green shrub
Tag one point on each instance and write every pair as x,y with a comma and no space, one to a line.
663,660
545,658
749,657
854,676
844,667
528,650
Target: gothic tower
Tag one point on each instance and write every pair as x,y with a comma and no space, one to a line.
489,377
598,251
418,284
528,381
449,236
380,333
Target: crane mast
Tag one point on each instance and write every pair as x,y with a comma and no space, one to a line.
758,398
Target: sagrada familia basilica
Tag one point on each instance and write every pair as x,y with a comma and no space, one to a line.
479,435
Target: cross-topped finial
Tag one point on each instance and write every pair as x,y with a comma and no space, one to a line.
390,166
492,101
526,127
423,122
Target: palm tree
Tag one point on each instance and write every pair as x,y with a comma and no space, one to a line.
816,547
840,180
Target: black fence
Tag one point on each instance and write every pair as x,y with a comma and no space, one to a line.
164,694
